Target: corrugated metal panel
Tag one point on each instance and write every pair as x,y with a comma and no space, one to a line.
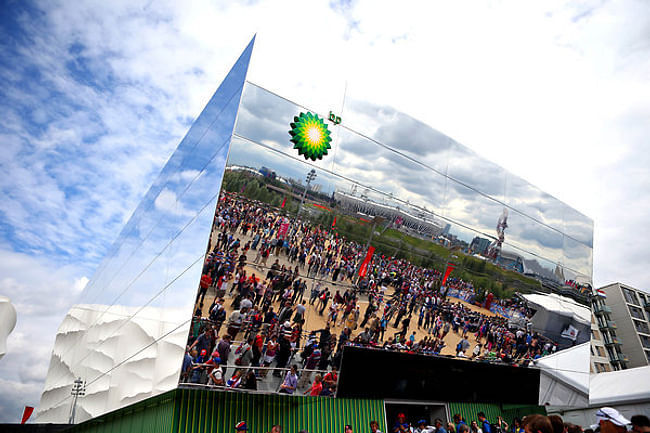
210,411
153,415
492,411
469,411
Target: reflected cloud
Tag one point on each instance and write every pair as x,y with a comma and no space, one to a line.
412,166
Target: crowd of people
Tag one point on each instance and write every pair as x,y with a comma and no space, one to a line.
609,420
263,321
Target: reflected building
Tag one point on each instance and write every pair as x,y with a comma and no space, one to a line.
386,181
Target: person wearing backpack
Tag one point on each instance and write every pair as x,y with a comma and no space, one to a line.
485,424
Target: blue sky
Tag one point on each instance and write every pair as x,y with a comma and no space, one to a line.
95,97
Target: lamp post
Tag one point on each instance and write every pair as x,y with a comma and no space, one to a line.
78,389
310,176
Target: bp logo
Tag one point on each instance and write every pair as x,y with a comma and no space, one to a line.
309,134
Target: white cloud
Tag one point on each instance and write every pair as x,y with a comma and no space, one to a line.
41,290
99,94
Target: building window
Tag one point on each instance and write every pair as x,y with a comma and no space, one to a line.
641,327
630,296
642,296
636,312
647,355
601,351
595,335
645,341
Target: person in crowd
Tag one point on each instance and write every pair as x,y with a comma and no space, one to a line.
290,382
316,387
458,421
235,379
241,426
573,428
516,426
250,381
473,427
215,373
485,424
557,423
244,353
437,423
374,427
640,424
611,421
401,426
186,369
423,427
537,424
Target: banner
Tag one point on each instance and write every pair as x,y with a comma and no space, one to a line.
450,267
334,223
363,269
571,332
284,228
284,202
27,413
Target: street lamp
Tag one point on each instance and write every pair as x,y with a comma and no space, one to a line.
310,176
78,389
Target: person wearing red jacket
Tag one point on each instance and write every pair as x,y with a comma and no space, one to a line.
206,281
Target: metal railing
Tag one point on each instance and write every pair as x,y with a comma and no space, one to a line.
272,382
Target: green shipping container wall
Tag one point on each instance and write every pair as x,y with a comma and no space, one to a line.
197,411
153,415
209,411
492,411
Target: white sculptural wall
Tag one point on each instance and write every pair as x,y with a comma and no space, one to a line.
97,343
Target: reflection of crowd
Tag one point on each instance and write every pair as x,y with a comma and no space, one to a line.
268,309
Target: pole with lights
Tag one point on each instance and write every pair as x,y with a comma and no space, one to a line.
78,390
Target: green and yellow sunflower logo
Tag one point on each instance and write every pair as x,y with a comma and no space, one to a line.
309,134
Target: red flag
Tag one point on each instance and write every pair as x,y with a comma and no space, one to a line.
363,269
450,267
334,223
27,413
283,202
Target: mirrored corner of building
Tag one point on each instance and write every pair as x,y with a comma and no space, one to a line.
371,246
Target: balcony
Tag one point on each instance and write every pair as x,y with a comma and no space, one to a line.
600,309
609,341
607,324
620,358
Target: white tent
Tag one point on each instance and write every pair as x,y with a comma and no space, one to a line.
628,391
564,377
559,318
620,387
560,305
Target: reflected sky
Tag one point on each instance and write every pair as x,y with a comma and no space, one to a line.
409,165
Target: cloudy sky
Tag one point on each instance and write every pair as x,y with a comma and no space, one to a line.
96,95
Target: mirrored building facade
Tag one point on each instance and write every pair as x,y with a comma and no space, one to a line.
422,201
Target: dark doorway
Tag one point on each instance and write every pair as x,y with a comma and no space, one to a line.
414,412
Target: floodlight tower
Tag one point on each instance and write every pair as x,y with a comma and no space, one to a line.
78,389
310,177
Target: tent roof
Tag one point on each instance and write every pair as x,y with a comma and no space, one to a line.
560,305
570,366
617,387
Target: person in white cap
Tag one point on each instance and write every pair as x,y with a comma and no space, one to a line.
611,421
